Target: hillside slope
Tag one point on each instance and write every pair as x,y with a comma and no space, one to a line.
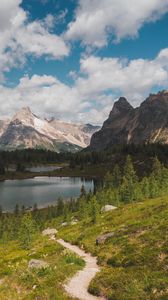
134,261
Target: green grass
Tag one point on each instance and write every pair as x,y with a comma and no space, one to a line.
134,262
20,283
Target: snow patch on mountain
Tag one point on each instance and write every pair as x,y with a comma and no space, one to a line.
28,130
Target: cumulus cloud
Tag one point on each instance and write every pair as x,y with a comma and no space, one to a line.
98,84
19,37
44,94
96,20
134,78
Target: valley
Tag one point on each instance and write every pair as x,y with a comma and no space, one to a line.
83,150
111,203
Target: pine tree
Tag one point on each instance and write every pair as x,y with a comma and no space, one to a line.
153,187
27,231
129,184
1,211
157,169
116,177
108,179
60,207
16,210
94,210
129,172
125,191
23,209
164,181
35,208
145,187
83,191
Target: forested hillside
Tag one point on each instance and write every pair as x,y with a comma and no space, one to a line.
133,259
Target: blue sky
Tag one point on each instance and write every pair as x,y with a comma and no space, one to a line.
72,59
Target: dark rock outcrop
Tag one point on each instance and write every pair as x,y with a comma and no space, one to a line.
102,238
145,124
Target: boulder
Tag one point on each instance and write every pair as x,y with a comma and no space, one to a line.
102,238
37,264
49,231
108,208
64,224
74,222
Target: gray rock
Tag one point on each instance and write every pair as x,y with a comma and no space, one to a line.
74,222
108,208
64,224
37,264
49,231
102,238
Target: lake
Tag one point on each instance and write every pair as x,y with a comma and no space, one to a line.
39,169
41,190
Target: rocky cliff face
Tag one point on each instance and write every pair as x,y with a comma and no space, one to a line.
26,130
145,124
3,125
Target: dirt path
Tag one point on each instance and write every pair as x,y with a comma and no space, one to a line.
77,286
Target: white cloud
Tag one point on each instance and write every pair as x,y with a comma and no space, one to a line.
96,20
20,37
133,79
44,94
90,99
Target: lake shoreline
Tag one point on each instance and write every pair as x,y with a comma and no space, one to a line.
64,171
29,175
42,191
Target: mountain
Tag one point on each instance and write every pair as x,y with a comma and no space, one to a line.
147,123
3,125
26,130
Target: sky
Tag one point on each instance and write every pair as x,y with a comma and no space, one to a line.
72,59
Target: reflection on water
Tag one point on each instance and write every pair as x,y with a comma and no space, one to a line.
39,169
41,190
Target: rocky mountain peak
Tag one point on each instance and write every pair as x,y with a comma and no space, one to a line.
24,116
145,124
122,106
27,130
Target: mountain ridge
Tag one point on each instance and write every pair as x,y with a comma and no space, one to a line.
147,123
26,130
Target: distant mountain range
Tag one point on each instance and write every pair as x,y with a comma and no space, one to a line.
26,130
125,125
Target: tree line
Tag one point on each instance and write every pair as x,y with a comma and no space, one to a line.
120,186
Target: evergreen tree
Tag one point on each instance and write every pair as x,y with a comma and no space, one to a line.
145,187
23,209
153,187
66,215
157,169
126,191
164,180
16,210
1,211
60,207
2,168
108,180
35,208
116,177
83,191
129,172
129,182
27,230
94,210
